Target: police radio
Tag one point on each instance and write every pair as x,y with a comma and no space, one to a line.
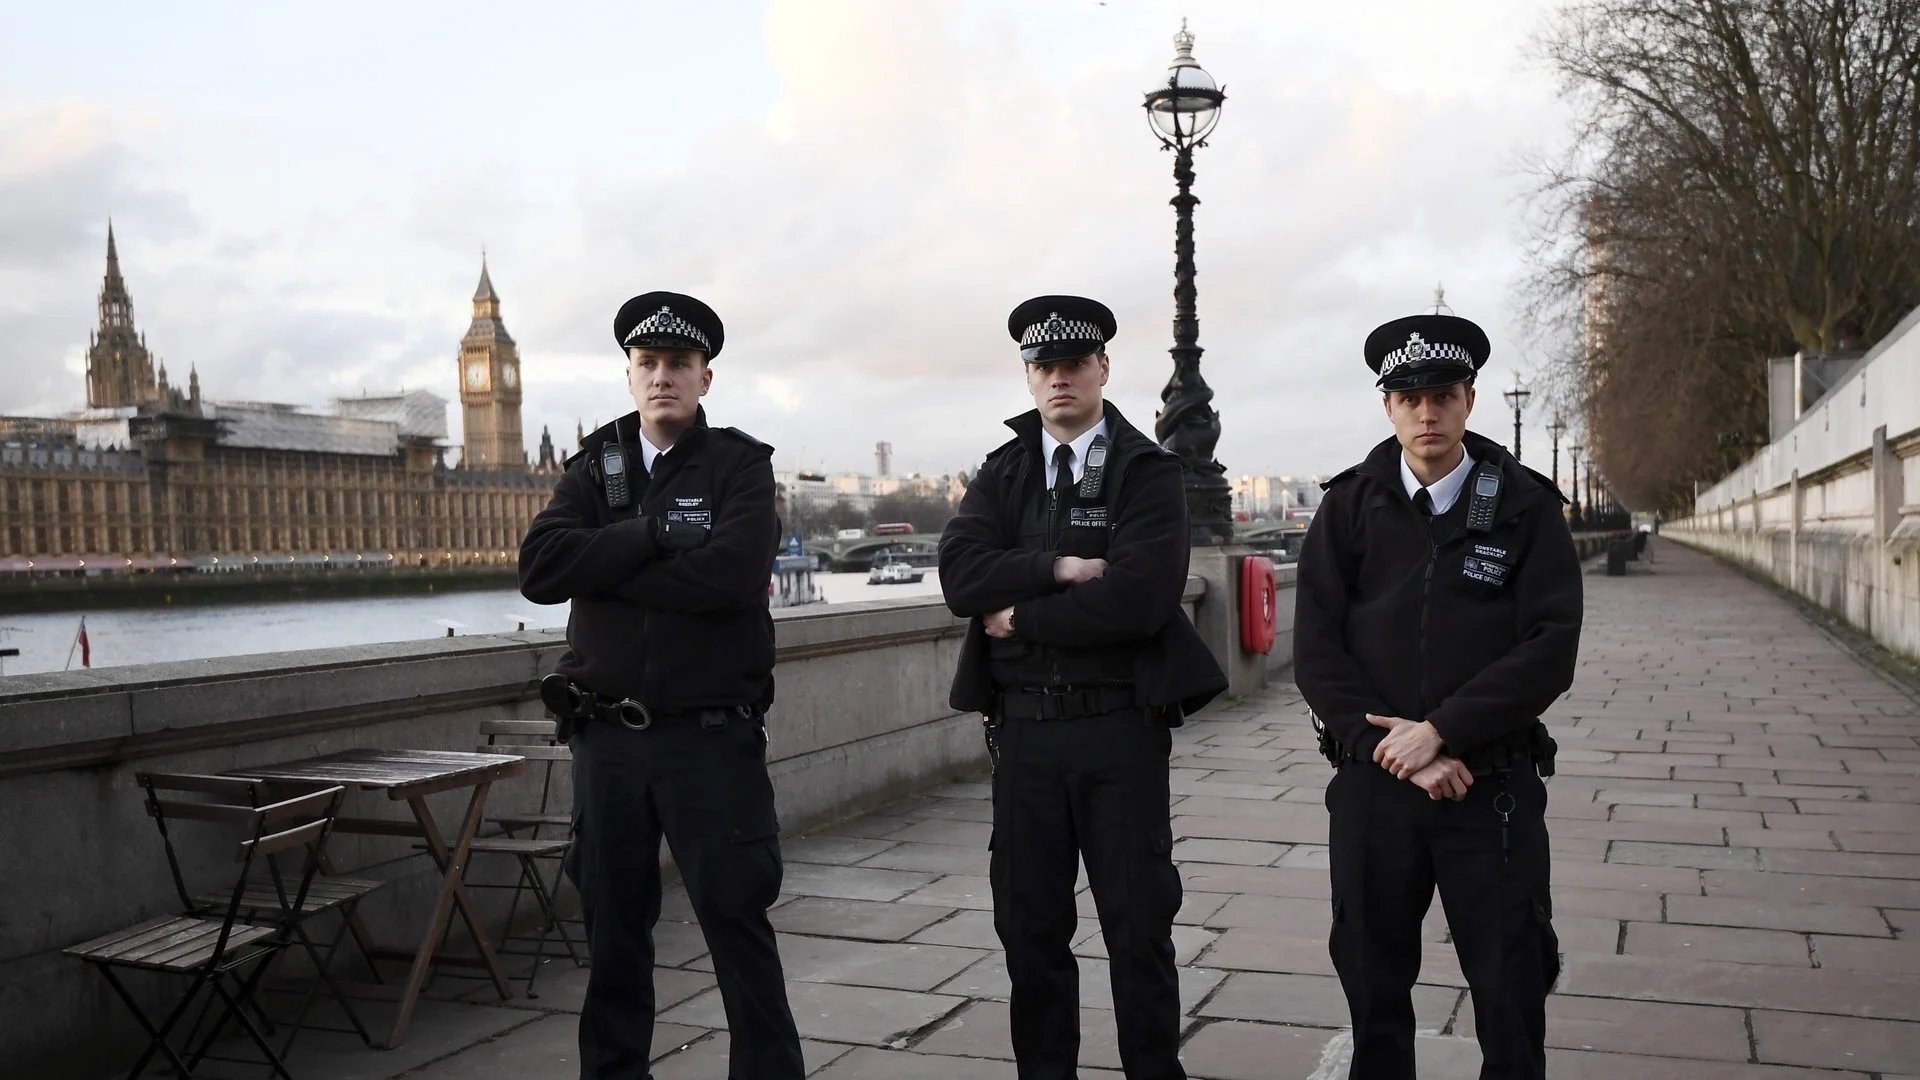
1096,468
613,476
1484,500
610,470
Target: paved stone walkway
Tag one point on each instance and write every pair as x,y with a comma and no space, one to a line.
1737,890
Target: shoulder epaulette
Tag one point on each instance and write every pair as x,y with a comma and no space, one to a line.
746,438
1010,444
1345,474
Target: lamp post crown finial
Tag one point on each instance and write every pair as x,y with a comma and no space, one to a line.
1183,41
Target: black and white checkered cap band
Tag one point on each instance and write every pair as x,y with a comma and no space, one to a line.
665,321
1054,328
1419,349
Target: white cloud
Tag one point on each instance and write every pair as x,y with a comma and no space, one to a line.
915,171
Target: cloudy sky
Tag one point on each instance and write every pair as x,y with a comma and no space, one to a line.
861,188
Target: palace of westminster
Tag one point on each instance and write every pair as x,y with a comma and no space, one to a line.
151,476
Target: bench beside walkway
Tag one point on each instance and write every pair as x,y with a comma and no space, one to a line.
1736,825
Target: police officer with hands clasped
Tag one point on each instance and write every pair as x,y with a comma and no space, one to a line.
1069,556
1438,615
660,532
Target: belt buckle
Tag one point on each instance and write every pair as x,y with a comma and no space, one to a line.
1053,705
632,715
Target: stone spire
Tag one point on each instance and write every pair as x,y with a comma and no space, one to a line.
487,324
119,367
485,291
548,463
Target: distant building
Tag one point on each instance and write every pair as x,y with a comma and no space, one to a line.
859,490
1274,498
150,472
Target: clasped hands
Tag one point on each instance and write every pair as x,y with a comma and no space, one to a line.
1067,570
675,536
1411,751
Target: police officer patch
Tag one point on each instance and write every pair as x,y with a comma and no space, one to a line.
1482,570
1088,517
692,510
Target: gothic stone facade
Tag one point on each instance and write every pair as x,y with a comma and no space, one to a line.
175,478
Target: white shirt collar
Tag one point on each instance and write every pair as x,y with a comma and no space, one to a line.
1445,491
1079,445
648,452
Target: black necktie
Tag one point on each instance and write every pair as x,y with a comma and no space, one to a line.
1062,469
1061,491
1423,502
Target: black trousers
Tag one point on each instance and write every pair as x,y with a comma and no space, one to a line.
1093,789
1390,846
707,792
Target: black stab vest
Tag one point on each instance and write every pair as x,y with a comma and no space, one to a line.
1076,526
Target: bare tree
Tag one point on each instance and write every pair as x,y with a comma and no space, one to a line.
1742,183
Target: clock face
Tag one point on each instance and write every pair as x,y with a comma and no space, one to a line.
510,376
477,375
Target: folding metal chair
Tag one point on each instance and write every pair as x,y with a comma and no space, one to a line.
264,905
220,955
534,740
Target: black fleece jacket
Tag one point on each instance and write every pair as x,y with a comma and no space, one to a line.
1477,633
983,569
675,631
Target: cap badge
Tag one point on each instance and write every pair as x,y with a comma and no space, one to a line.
1419,348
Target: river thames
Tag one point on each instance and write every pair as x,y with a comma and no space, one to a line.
152,634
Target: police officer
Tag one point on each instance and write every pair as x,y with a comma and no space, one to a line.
1069,554
1438,616
660,532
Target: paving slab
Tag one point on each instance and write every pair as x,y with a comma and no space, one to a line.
861,920
845,1014
1836,1042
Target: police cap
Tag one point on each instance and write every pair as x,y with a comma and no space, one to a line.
1051,328
1424,351
668,320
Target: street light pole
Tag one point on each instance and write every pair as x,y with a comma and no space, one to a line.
1556,428
1517,397
1182,112
1574,452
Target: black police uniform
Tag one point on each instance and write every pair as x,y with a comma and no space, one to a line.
669,672
1079,702
1474,627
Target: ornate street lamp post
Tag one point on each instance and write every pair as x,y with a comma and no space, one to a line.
1183,111
1517,397
1556,428
1574,451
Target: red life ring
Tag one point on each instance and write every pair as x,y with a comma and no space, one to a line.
1259,604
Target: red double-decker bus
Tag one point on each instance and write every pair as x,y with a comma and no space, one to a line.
893,528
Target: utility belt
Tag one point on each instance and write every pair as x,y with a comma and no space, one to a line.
1533,747
573,704
1062,702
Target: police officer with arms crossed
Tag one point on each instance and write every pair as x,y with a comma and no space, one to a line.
1069,555
1438,615
660,532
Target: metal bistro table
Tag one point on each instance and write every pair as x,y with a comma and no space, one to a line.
413,775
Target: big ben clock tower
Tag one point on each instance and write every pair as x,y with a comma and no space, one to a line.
490,386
